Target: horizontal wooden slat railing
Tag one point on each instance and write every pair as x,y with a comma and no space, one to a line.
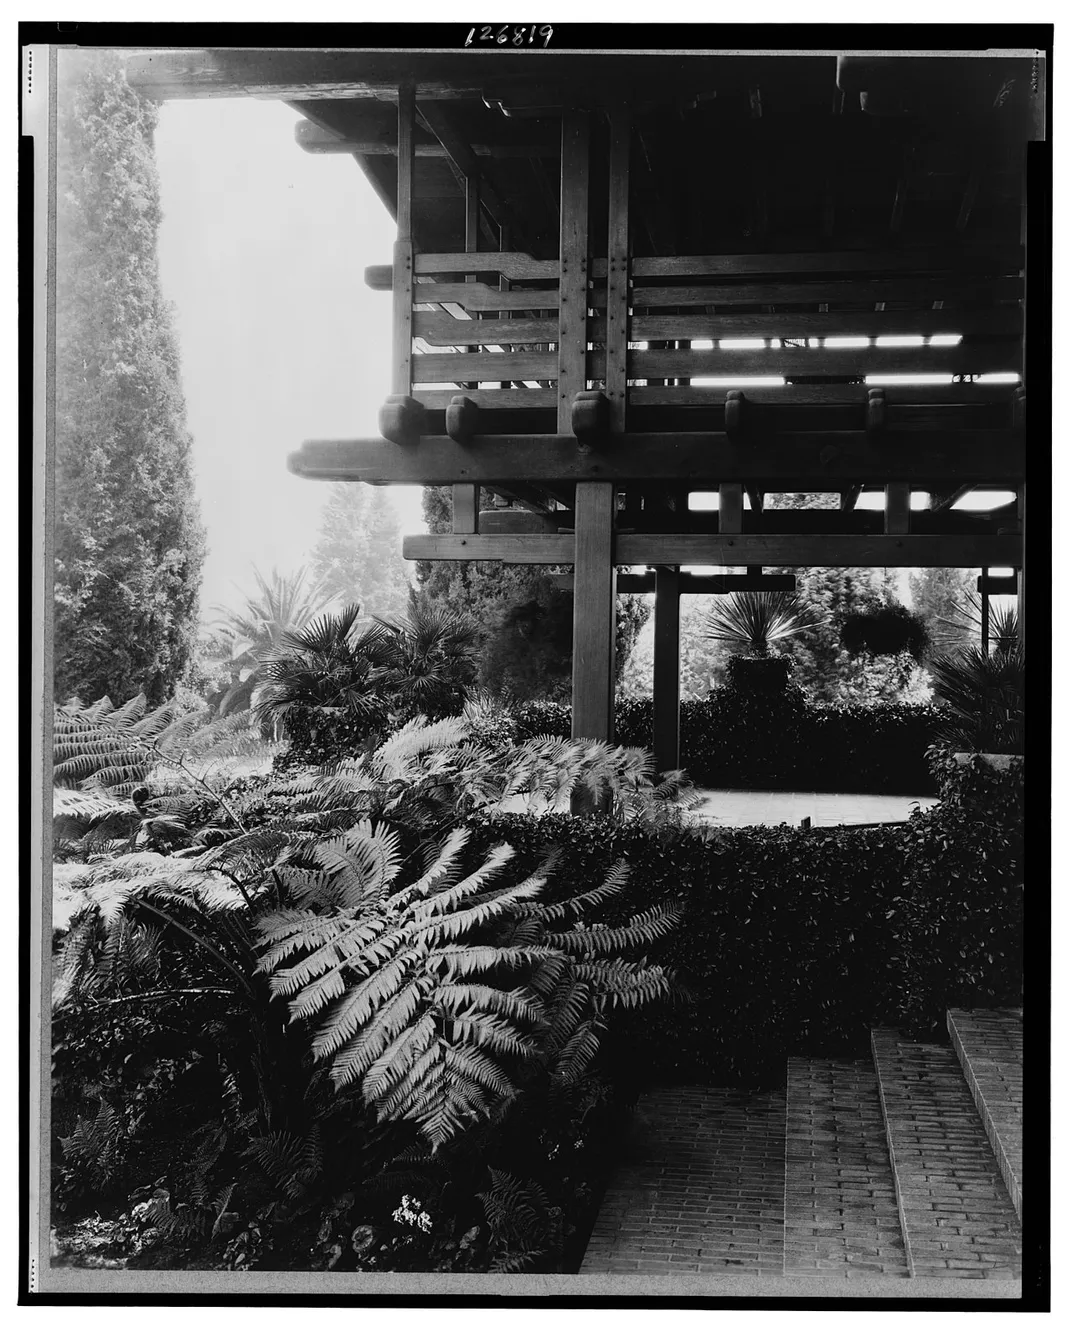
953,315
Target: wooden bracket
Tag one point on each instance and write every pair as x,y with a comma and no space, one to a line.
876,410
736,415
756,498
590,417
463,419
403,420
849,498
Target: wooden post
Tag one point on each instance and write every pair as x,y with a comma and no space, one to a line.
573,266
730,507
618,266
666,684
1021,578
898,508
984,613
593,611
465,502
402,286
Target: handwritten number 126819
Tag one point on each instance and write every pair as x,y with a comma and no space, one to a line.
510,35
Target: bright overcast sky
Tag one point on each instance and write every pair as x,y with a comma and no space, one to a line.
263,249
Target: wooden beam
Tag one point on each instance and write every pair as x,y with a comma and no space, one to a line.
997,586
796,550
987,261
699,585
666,682
572,267
508,522
849,498
962,551
831,461
593,611
318,139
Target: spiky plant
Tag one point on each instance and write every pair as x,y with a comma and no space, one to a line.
1003,625
757,622
984,698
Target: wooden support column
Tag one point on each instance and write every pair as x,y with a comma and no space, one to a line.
573,265
898,508
666,684
730,507
618,267
593,611
593,574
465,502
984,612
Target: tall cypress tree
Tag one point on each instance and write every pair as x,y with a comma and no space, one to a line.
129,544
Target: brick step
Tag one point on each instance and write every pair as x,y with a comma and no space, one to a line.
841,1216
990,1046
701,1190
957,1218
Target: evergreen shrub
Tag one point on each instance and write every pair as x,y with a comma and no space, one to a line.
797,941
778,742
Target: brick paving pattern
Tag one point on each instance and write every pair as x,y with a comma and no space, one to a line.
957,1217
841,1215
704,1190
990,1047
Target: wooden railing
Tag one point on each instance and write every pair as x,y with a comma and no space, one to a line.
824,324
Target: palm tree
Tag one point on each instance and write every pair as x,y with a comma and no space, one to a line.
429,660
332,666
259,629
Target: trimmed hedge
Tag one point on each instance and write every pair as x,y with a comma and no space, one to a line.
753,741
798,941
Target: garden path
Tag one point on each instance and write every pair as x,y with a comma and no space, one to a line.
738,809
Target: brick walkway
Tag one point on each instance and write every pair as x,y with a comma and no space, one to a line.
881,1169
957,1218
704,1191
840,1203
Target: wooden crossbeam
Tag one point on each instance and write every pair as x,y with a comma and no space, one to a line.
961,551
996,585
699,585
831,461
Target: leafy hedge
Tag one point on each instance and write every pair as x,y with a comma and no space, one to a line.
778,742
798,941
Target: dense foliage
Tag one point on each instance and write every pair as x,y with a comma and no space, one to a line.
341,685
358,553
129,544
525,619
738,740
799,940
445,1025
